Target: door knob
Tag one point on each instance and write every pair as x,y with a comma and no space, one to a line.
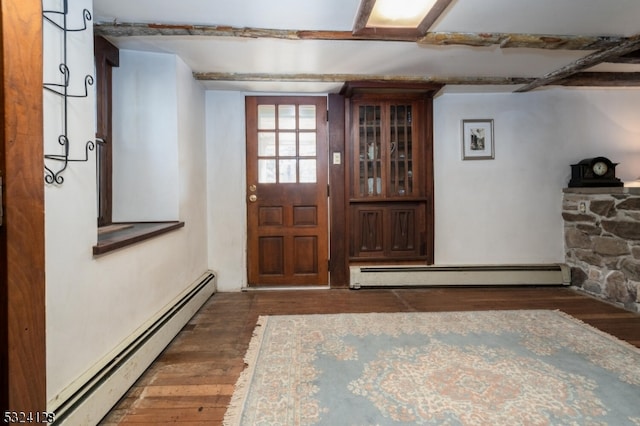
253,198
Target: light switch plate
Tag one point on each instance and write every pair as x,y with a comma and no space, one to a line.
337,158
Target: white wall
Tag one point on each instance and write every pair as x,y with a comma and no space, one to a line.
508,210
95,303
500,211
227,188
145,131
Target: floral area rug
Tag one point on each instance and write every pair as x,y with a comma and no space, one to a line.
454,368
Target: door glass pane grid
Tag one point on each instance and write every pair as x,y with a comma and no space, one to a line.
370,182
401,173
307,117
281,144
266,117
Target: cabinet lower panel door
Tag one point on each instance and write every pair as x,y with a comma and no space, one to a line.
371,233
403,237
387,231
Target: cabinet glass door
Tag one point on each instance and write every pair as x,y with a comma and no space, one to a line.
369,150
401,149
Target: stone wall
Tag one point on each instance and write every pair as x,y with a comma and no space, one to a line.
602,242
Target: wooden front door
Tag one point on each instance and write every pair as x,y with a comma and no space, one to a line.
287,177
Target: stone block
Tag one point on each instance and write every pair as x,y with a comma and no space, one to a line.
635,289
608,246
588,256
576,239
624,229
592,287
635,251
631,268
578,277
612,263
602,207
595,274
629,204
578,217
589,229
616,288
631,215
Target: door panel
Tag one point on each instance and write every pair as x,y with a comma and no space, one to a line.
287,178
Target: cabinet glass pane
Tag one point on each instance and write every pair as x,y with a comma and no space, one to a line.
286,116
266,117
307,117
287,171
307,144
266,144
401,150
307,171
287,144
369,150
266,171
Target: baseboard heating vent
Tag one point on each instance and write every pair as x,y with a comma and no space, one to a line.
101,390
462,275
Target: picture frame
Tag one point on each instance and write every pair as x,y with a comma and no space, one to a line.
477,139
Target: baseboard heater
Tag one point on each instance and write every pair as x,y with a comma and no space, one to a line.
461,275
101,390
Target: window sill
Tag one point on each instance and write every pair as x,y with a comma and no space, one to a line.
120,235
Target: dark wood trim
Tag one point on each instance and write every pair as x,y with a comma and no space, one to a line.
429,238
339,267
400,87
107,56
138,231
23,345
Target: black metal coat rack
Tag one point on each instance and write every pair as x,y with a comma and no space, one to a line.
54,174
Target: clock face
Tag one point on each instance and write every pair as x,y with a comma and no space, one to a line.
600,168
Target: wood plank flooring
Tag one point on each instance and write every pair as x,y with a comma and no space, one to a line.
192,381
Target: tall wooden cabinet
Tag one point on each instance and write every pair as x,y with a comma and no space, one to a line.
390,173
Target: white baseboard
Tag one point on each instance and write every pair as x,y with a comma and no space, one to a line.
100,392
461,275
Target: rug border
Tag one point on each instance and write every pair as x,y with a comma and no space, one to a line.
235,409
233,415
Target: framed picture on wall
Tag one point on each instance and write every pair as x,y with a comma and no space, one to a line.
477,140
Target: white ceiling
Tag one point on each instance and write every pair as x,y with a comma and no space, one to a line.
273,56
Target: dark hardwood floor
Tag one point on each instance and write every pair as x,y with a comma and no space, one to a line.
192,381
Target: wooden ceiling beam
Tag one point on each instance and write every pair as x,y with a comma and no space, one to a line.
341,78
581,64
602,79
530,41
632,58
504,40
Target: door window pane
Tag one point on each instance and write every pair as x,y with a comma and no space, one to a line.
307,144
266,144
287,146
287,171
266,171
307,117
308,171
266,117
286,116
